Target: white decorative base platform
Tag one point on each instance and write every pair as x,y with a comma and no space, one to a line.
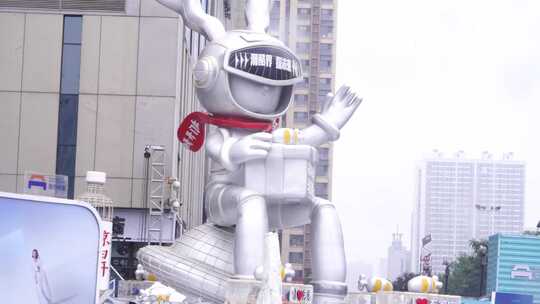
395,297
245,292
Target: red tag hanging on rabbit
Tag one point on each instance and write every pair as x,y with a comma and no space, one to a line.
192,129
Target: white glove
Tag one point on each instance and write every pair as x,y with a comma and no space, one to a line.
342,106
254,146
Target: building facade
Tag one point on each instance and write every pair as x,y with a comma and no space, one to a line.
86,86
460,199
399,258
308,27
514,265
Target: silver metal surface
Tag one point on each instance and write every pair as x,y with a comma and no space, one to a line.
195,18
329,266
258,180
258,15
247,210
231,94
197,265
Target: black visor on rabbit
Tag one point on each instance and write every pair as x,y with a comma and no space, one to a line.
265,64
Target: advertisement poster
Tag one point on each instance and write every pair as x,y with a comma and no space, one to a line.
48,250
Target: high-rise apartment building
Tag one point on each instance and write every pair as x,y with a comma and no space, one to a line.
460,199
86,85
308,27
399,258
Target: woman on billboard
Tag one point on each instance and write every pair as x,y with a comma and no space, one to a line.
40,278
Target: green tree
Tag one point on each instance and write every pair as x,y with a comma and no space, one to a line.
468,272
400,283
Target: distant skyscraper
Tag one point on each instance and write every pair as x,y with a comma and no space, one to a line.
308,28
399,258
461,199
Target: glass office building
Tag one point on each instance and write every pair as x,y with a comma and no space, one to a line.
514,265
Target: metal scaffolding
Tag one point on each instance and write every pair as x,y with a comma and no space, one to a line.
155,192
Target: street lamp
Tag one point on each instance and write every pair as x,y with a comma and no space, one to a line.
491,210
482,252
446,264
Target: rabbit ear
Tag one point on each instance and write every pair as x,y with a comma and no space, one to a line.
195,18
258,15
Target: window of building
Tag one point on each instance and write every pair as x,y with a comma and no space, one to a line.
275,7
305,64
302,47
71,55
322,170
300,100
327,31
296,257
304,12
326,49
298,276
325,81
327,57
324,91
324,95
274,24
304,29
296,240
327,23
323,153
274,16
321,189
307,273
69,100
300,117
324,85
327,14
326,65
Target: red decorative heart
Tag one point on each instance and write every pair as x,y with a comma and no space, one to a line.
422,301
299,295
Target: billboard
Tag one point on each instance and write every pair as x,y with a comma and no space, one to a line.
49,250
514,265
510,298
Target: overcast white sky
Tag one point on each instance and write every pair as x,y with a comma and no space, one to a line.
447,75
